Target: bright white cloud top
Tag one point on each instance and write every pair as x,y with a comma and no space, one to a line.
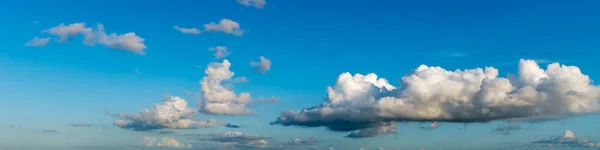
218,98
433,94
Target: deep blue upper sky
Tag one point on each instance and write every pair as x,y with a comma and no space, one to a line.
310,42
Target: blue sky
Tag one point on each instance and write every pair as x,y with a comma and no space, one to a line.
310,43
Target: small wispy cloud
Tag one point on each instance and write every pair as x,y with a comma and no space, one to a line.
49,131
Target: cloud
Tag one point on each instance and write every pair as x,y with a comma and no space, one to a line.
50,131
187,30
298,141
219,99
383,128
432,125
225,26
128,41
253,3
434,94
263,66
229,125
38,42
506,129
242,79
220,52
65,31
165,142
137,71
80,125
172,113
568,139
234,139
166,132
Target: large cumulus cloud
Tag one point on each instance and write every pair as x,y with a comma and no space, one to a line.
219,99
171,113
433,94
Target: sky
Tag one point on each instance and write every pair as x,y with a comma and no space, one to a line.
272,74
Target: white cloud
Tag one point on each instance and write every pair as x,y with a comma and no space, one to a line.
38,42
263,66
226,26
128,41
165,142
253,3
218,99
568,139
220,51
438,95
65,31
187,30
172,113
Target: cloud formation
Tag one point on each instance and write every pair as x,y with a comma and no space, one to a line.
253,3
80,125
37,42
220,51
381,129
234,139
172,113
50,131
262,66
506,129
434,94
187,30
165,142
218,99
128,41
568,139
225,26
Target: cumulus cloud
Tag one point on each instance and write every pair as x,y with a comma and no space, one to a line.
128,41
263,66
220,51
225,26
165,142
37,42
568,139
218,99
253,3
506,129
187,30
63,32
172,113
433,94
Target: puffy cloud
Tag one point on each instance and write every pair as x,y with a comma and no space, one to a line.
220,51
263,66
434,94
506,129
38,42
225,26
80,125
172,113
187,30
253,3
128,41
65,31
568,139
219,99
165,142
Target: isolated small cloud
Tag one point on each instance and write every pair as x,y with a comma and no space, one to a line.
172,113
568,139
165,142
299,141
225,26
63,32
220,51
80,125
187,30
38,42
262,66
235,139
50,131
433,94
219,99
128,41
253,3
506,129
